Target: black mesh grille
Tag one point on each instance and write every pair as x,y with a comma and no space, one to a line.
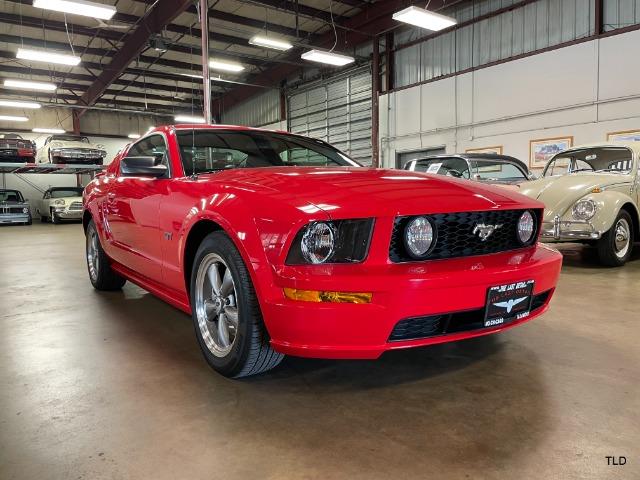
431,326
455,235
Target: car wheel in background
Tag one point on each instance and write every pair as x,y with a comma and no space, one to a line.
55,219
615,246
225,310
98,264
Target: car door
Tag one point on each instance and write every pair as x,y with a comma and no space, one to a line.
132,212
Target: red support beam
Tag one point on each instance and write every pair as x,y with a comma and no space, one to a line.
375,92
162,14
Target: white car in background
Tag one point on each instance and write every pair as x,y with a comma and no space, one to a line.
71,149
60,203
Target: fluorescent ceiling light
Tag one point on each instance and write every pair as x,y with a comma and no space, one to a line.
226,66
48,130
320,56
188,119
133,136
424,18
78,7
18,104
262,41
11,118
47,57
191,75
29,85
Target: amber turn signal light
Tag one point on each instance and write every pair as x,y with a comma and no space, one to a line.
333,297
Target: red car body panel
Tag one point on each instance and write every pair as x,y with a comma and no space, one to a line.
144,225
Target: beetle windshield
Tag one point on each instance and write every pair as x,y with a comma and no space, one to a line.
212,150
66,192
10,196
597,159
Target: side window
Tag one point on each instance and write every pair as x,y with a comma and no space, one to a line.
560,166
453,167
153,146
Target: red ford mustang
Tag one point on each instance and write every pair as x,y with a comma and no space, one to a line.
280,244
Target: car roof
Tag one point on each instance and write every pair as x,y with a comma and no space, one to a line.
478,156
201,126
633,146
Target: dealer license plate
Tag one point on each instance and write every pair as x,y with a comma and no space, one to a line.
506,303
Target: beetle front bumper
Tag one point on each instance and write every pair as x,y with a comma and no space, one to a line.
400,292
568,231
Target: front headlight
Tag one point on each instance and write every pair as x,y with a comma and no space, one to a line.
25,210
418,237
340,241
526,227
584,210
60,201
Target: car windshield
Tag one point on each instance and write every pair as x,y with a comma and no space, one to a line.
69,138
10,136
67,192
597,159
482,169
213,150
10,196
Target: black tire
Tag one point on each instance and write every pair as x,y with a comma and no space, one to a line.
30,221
608,253
43,218
55,219
251,353
102,277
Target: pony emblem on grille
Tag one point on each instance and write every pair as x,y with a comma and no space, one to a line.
484,230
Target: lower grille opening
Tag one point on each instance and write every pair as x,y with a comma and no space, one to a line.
430,326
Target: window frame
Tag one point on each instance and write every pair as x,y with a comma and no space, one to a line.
169,173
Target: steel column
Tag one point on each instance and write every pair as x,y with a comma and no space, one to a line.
375,92
206,76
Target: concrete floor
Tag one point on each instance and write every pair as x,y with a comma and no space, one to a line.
112,385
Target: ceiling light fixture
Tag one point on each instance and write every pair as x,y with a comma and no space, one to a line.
11,118
18,104
267,42
78,7
29,85
423,18
188,119
226,66
321,56
133,136
191,75
48,130
47,57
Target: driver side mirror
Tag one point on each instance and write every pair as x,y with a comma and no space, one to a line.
142,167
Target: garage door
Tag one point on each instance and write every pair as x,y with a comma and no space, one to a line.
337,110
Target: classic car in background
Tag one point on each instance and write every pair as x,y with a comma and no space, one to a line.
72,149
264,238
591,195
482,167
14,208
60,203
15,149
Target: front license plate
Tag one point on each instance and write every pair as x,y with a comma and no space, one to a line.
508,302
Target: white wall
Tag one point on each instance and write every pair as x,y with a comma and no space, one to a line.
584,91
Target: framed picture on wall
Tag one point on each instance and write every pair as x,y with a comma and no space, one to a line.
542,149
497,149
624,136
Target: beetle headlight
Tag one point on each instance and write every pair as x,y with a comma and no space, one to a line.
60,201
584,210
340,241
526,227
418,237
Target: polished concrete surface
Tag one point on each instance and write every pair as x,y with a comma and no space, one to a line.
112,386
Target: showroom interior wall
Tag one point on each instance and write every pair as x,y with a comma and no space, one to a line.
585,90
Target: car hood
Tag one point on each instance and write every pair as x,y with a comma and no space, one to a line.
345,192
560,193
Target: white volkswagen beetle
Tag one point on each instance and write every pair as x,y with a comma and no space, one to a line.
591,196
73,149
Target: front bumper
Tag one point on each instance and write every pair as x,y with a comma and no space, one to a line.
77,155
67,213
400,292
14,218
568,231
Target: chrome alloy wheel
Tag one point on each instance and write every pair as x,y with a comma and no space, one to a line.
216,305
93,260
622,237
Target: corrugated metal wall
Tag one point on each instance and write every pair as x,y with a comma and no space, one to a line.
259,110
337,110
620,13
533,27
